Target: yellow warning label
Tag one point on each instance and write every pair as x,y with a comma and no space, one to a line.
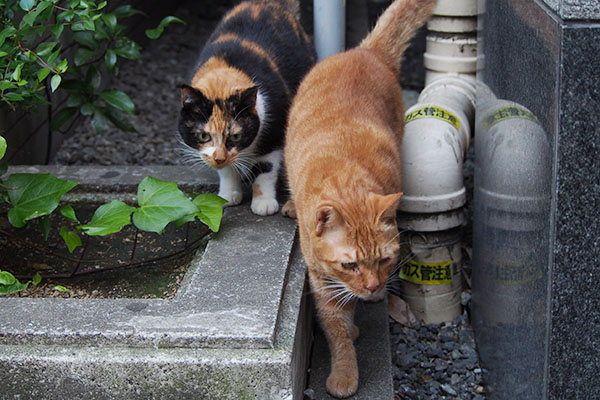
508,112
514,274
427,273
433,112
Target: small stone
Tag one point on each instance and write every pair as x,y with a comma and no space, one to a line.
448,389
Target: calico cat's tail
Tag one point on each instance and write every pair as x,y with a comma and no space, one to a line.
395,27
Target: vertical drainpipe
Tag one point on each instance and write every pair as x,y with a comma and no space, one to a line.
436,138
329,27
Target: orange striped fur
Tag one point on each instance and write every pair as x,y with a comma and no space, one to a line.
342,156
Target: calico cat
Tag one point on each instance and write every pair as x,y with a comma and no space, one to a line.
342,156
234,111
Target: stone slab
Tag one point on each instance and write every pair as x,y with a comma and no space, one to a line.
575,9
373,352
238,326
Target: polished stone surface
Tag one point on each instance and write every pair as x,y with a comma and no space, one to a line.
535,304
575,9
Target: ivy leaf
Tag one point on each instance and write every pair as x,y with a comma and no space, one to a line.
15,287
3,147
160,203
37,278
72,240
61,288
119,100
34,195
69,213
108,218
156,32
6,278
54,82
210,209
61,117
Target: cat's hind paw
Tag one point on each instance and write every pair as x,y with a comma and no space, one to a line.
233,197
264,206
342,385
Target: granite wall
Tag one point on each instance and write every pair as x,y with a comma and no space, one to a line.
536,305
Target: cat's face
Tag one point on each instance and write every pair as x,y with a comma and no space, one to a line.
220,129
357,250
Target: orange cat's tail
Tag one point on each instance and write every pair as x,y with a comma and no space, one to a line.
395,27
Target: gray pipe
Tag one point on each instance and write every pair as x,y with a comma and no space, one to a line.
329,26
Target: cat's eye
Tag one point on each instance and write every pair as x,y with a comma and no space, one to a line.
204,137
384,260
236,137
349,265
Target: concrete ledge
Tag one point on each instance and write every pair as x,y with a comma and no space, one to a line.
237,328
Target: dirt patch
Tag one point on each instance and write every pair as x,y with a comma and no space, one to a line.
129,263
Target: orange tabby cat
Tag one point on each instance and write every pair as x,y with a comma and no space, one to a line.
342,154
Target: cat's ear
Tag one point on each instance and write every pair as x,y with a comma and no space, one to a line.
248,97
385,206
191,96
326,218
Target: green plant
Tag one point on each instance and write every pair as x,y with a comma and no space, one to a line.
52,45
36,196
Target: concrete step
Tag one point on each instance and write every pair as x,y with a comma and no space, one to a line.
373,354
237,329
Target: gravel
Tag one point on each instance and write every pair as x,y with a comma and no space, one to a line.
429,361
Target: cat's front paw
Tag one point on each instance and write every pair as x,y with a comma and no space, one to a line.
233,197
264,206
289,209
342,385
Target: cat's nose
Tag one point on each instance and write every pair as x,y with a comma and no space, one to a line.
220,159
372,285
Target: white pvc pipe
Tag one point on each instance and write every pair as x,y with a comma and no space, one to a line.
436,138
329,27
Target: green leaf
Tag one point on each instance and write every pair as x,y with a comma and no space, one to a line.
55,82
69,213
45,48
74,100
86,39
119,100
61,117
6,32
34,195
156,32
43,74
63,66
128,49
160,203
101,5
108,218
110,59
110,20
119,120
87,109
61,288
126,11
13,96
15,287
99,120
93,77
83,54
6,278
37,278
210,209
72,239
26,5
57,30
16,75
30,18
45,226
3,147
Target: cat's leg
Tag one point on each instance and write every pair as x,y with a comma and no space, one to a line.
264,188
340,331
289,209
230,186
